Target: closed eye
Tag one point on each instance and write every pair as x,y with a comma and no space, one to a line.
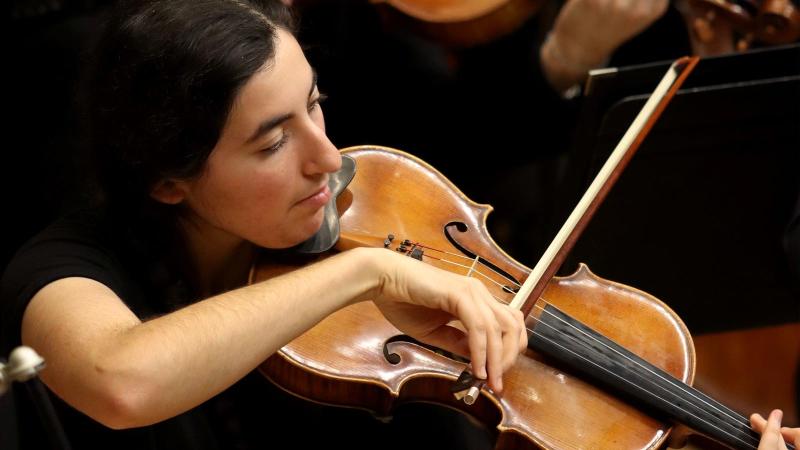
314,104
278,145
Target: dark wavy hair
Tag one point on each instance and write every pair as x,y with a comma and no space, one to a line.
166,76
165,79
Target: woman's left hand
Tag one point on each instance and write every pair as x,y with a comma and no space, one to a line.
773,436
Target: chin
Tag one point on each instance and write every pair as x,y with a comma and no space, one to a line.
302,232
294,231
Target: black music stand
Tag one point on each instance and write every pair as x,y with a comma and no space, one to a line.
698,218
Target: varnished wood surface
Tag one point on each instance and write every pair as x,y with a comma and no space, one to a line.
751,370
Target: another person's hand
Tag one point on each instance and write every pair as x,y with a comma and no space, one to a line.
587,32
773,436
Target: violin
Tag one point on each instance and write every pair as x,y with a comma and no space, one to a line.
714,23
458,23
607,365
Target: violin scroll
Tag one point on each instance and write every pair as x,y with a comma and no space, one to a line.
722,26
778,22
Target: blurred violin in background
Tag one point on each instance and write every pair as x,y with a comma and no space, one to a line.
459,23
723,26
715,26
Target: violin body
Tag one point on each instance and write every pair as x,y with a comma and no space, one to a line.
771,22
458,23
355,358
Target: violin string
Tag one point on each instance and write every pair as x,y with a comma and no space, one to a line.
735,417
729,413
476,271
739,421
749,444
514,282
682,387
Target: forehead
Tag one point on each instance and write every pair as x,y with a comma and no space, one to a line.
275,89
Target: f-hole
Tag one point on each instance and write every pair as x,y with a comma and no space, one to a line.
461,227
394,358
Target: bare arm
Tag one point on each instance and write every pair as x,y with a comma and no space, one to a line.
123,372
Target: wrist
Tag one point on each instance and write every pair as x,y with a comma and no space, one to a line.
370,266
563,68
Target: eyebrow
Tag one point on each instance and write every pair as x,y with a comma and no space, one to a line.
267,125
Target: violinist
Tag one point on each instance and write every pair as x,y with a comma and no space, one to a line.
209,143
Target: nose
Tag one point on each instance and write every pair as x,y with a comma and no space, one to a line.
321,155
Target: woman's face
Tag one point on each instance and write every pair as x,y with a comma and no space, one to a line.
266,180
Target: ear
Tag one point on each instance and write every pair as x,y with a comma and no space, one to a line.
170,192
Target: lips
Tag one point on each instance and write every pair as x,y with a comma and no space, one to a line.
318,198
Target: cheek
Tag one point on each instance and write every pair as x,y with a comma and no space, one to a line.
267,211
264,196
256,202
244,201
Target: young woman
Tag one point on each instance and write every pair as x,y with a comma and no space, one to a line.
210,144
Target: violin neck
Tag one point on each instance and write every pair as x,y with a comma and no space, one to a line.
583,349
